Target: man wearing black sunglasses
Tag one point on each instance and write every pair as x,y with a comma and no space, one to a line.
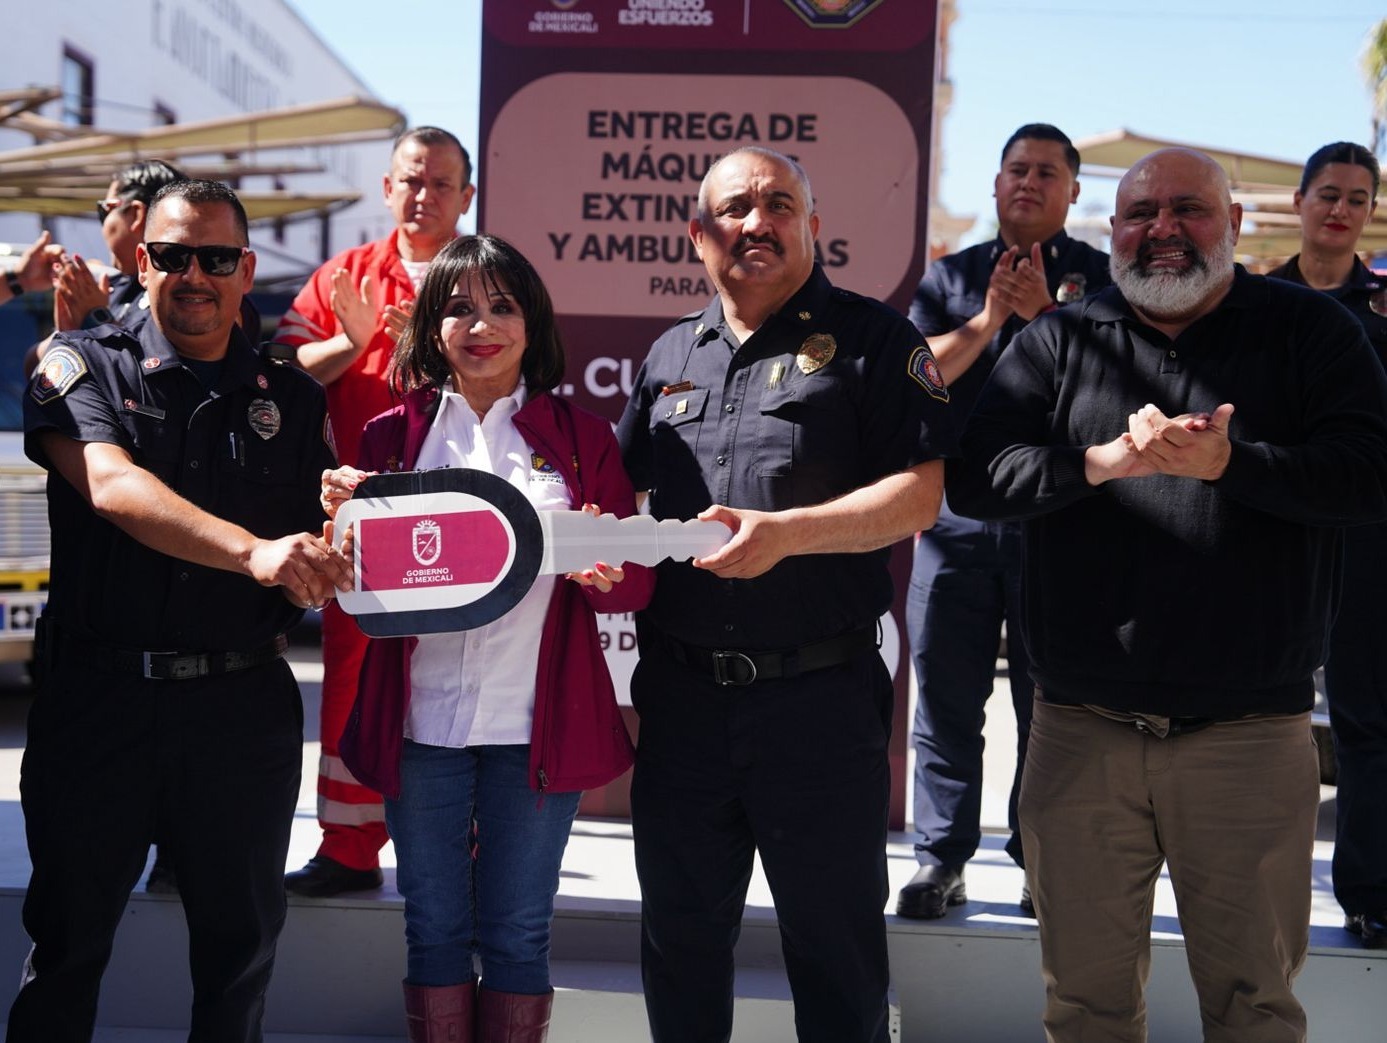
183,489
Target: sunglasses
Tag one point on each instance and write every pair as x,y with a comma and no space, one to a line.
105,206
214,260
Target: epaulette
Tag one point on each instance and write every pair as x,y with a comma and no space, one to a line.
853,299
693,315
279,354
108,335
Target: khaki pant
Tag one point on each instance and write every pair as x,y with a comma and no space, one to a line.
1231,809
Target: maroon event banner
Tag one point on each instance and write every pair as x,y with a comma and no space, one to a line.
600,117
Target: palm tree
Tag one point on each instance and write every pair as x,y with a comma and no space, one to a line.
1374,65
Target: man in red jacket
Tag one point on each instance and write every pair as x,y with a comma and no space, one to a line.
340,327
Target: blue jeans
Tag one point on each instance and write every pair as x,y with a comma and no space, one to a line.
478,856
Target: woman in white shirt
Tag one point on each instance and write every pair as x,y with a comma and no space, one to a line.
481,740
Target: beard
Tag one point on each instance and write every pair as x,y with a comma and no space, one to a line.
1172,295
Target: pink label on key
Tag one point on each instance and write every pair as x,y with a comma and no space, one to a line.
432,550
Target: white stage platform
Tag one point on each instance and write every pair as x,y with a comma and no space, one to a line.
972,977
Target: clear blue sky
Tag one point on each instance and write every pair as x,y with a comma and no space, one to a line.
1275,77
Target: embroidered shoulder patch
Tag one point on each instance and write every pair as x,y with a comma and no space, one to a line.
62,367
925,372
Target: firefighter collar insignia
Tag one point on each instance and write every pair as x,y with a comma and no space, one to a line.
816,352
1072,288
263,416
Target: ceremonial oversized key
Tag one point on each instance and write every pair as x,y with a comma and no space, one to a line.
455,549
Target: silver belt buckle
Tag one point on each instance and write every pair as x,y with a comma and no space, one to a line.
175,666
720,671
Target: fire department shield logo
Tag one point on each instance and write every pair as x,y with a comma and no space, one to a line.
831,14
428,542
62,367
1378,302
263,417
816,352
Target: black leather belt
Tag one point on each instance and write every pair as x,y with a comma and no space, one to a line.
1178,725
740,667
167,666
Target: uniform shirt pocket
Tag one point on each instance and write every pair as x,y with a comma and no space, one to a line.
808,430
156,443
258,477
676,421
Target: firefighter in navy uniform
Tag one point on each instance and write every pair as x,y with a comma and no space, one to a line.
1336,198
811,421
966,579
183,496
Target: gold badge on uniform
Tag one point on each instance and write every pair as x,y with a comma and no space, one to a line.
264,419
816,352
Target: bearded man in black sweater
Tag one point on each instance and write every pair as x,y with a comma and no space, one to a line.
1184,448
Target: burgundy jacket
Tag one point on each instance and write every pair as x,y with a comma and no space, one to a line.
579,740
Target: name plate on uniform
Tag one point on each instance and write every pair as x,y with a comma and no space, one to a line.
454,549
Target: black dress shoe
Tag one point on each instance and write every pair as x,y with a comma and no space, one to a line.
1371,927
324,877
931,891
1027,904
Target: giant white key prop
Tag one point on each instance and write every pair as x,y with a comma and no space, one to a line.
455,549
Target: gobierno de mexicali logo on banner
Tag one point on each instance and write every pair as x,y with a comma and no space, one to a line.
563,20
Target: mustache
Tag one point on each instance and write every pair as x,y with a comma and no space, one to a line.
745,243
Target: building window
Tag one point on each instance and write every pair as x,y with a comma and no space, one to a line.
79,89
